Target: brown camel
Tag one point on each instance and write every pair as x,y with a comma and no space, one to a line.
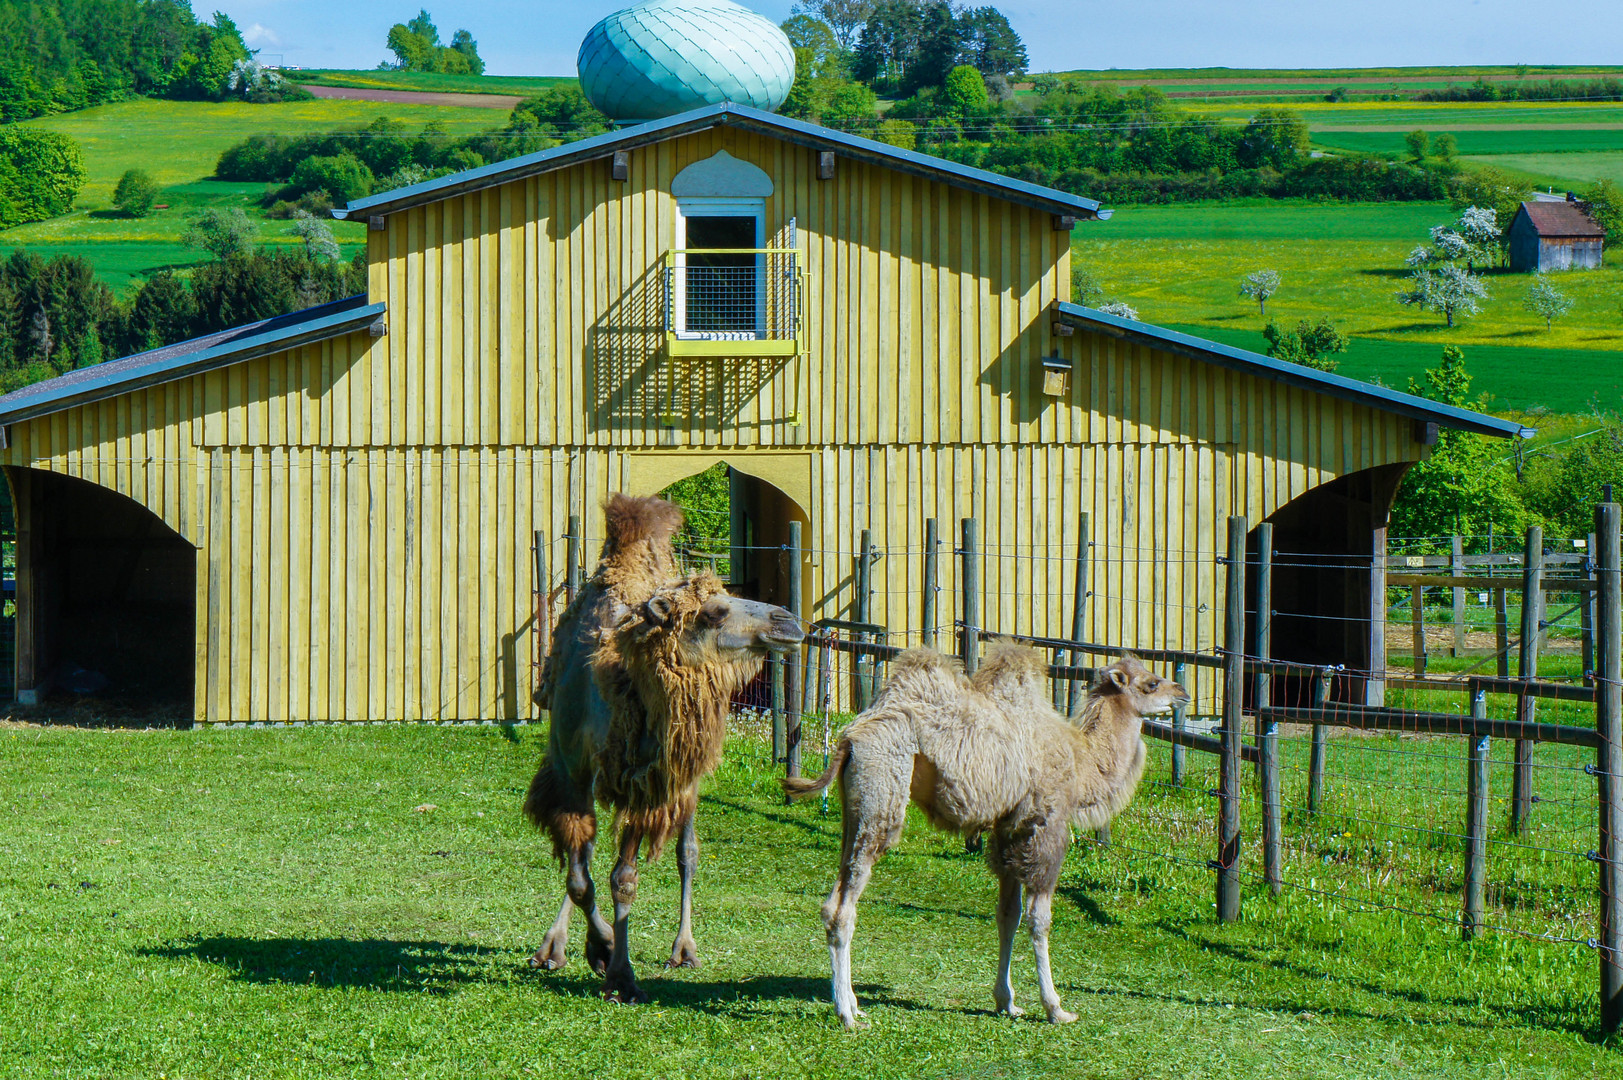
639,682
987,754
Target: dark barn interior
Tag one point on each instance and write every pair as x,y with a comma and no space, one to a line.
106,597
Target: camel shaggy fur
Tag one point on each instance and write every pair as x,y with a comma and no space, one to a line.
987,754
641,675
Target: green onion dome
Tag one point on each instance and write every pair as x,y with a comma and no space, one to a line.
663,57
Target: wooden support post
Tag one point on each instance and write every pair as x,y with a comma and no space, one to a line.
1267,730
1476,824
1501,632
969,578
932,543
1417,619
1375,682
1228,842
1079,611
862,665
1609,760
1315,764
1178,714
1456,566
1521,796
573,574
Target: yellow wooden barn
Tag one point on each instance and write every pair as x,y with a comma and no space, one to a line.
329,515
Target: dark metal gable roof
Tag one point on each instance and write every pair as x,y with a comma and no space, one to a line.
157,366
1266,367
727,114
1560,219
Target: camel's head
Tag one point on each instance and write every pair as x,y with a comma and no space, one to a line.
696,622
1141,690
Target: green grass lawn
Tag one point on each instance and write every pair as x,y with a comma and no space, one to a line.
1529,141
272,903
523,85
1180,266
1431,115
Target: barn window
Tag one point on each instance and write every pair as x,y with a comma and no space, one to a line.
719,268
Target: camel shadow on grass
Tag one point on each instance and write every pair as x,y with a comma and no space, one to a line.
732,997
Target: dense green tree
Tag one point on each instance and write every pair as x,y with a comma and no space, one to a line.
990,43
1275,137
1418,143
41,173
563,110
416,47
343,176
224,234
162,312
1563,484
1604,203
1311,344
845,18
1465,485
135,193
964,93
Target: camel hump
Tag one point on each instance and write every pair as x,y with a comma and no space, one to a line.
629,519
1007,661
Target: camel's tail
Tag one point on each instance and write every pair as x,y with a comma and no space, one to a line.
798,787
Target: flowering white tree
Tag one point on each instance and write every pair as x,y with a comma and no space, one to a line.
1447,290
1474,237
317,236
1259,285
1546,300
250,75
1121,309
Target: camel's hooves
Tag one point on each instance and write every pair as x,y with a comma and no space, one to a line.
1060,1016
549,957
683,955
852,1023
1011,1009
626,994
597,955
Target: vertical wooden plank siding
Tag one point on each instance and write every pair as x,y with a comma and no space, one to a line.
362,507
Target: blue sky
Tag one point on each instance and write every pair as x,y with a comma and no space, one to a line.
540,37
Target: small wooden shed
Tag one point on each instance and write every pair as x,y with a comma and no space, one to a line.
329,516
1555,236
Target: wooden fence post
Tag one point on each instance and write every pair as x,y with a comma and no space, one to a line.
1228,842
543,615
1375,683
1417,619
1609,761
1178,714
1456,566
1267,731
862,665
1586,614
794,667
1521,797
1476,824
1079,612
1501,632
932,542
969,578
572,561
1315,764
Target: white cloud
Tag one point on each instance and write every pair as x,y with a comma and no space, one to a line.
258,34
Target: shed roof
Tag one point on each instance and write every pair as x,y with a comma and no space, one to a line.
1283,371
728,114
99,381
1565,218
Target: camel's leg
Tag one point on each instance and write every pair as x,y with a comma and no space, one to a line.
1008,921
620,982
552,954
582,894
684,953
874,809
1042,917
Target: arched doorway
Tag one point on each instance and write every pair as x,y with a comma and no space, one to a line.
1327,608
106,598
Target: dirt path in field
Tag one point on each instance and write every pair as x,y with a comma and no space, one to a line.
416,97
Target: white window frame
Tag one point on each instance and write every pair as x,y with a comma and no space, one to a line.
718,206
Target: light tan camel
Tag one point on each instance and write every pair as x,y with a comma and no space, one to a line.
639,682
991,755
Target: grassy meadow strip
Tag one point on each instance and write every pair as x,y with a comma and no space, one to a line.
432,82
360,902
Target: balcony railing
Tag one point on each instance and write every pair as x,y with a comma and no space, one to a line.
733,302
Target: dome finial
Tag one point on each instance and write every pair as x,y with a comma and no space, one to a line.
663,57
